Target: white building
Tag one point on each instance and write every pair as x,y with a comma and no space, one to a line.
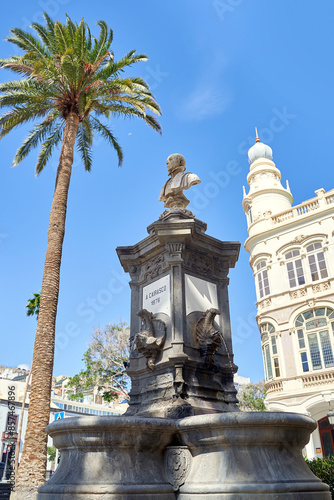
292,256
239,381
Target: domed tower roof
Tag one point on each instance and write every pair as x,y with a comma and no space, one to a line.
259,150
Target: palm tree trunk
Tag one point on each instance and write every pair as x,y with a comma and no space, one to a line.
19,431
32,468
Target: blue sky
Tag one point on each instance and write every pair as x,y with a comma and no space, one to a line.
217,69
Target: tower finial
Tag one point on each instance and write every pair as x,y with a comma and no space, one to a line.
257,136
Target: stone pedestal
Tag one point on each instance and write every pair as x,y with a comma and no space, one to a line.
177,274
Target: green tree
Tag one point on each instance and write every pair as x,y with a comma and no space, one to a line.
52,452
105,360
33,305
251,397
323,468
71,82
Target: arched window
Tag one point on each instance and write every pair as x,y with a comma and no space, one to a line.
315,332
262,279
317,262
270,352
294,268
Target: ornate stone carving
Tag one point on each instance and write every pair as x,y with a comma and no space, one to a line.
155,266
175,248
299,239
177,465
298,293
200,263
206,335
321,287
176,212
172,191
150,340
265,303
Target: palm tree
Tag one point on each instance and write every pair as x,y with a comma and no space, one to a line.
70,80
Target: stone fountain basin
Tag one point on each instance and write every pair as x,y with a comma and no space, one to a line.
254,455
229,456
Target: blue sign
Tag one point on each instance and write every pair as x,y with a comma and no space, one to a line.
59,415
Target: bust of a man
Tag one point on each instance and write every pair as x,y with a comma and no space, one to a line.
172,192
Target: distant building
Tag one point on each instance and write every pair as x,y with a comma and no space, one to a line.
239,381
61,407
292,257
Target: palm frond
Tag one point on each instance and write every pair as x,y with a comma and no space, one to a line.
106,133
71,27
27,42
44,35
38,134
21,69
101,44
19,115
47,148
63,37
84,143
80,40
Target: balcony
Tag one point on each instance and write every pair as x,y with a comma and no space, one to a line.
305,208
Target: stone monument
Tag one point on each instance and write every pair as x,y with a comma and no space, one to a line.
183,436
181,360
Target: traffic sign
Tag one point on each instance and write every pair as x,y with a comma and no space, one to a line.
59,415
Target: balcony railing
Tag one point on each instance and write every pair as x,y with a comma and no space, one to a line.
318,379
274,386
304,208
308,379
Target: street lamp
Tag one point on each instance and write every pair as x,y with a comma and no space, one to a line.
330,416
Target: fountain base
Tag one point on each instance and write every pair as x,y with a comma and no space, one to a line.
227,456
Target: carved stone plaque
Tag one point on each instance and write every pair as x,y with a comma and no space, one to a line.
200,294
177,465
156,296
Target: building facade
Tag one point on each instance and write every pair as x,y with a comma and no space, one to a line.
12,389
292,256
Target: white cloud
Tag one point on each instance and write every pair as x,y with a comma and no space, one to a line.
205,101
209,97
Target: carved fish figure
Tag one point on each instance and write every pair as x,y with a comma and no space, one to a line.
207,336
145,341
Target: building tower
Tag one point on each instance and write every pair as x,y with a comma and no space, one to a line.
292,256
